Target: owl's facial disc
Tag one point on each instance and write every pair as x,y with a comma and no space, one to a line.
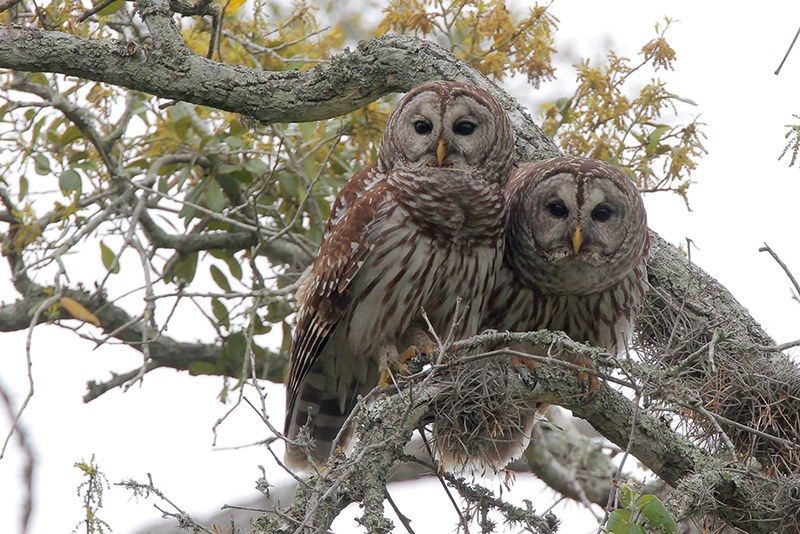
456,133
583,221
577,228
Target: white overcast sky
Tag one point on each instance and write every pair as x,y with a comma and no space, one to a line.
727,53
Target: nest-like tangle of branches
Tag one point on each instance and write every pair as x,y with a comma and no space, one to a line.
768,504
480,422
701,364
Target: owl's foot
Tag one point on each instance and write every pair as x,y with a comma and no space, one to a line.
587,378
422,343
388,358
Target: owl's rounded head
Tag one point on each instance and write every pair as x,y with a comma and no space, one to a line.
451,125
575,226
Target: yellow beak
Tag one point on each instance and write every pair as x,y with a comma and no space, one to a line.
441,151
577,239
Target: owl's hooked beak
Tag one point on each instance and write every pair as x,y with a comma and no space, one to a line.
577,239
441,151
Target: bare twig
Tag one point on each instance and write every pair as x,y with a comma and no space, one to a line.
786,55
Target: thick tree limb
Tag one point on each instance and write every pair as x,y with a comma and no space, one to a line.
351,80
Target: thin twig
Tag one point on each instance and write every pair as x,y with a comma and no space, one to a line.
766,248
785,56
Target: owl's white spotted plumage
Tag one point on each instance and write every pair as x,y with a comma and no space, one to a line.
421,230
575,261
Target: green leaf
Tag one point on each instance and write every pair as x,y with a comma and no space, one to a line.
72,133
111,8
234,267
563,105
186,267
23,188
109,258
215,198
230,259
627,495
38,78
220,278
70,181
259,327
234,349
220,312
658,517
619,522
256,166
655,137
234,142
188,212
42,164
36,129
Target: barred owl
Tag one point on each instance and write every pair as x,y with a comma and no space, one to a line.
576,246
419,231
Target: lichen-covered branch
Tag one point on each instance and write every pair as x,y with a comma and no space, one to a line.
351,80
713,353
387,424
119,324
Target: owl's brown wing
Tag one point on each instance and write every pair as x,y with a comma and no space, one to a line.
354,188
325,298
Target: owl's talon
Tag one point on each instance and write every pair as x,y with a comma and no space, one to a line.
406,356
429,350
587,379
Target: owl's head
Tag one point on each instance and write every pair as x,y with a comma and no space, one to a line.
451,125
575,225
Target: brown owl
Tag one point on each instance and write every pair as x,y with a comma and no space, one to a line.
576,246
421,230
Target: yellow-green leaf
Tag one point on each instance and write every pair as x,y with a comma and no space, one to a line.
108,257
78,311
25,235
23,188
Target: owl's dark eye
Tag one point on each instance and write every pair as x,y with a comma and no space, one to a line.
423,127
464,127
602,213
557,209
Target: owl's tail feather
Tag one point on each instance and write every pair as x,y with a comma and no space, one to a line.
315,423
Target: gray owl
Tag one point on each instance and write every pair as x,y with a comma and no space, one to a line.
420,231
576,246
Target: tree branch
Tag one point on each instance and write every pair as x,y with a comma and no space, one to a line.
386,425
351,80
116,322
